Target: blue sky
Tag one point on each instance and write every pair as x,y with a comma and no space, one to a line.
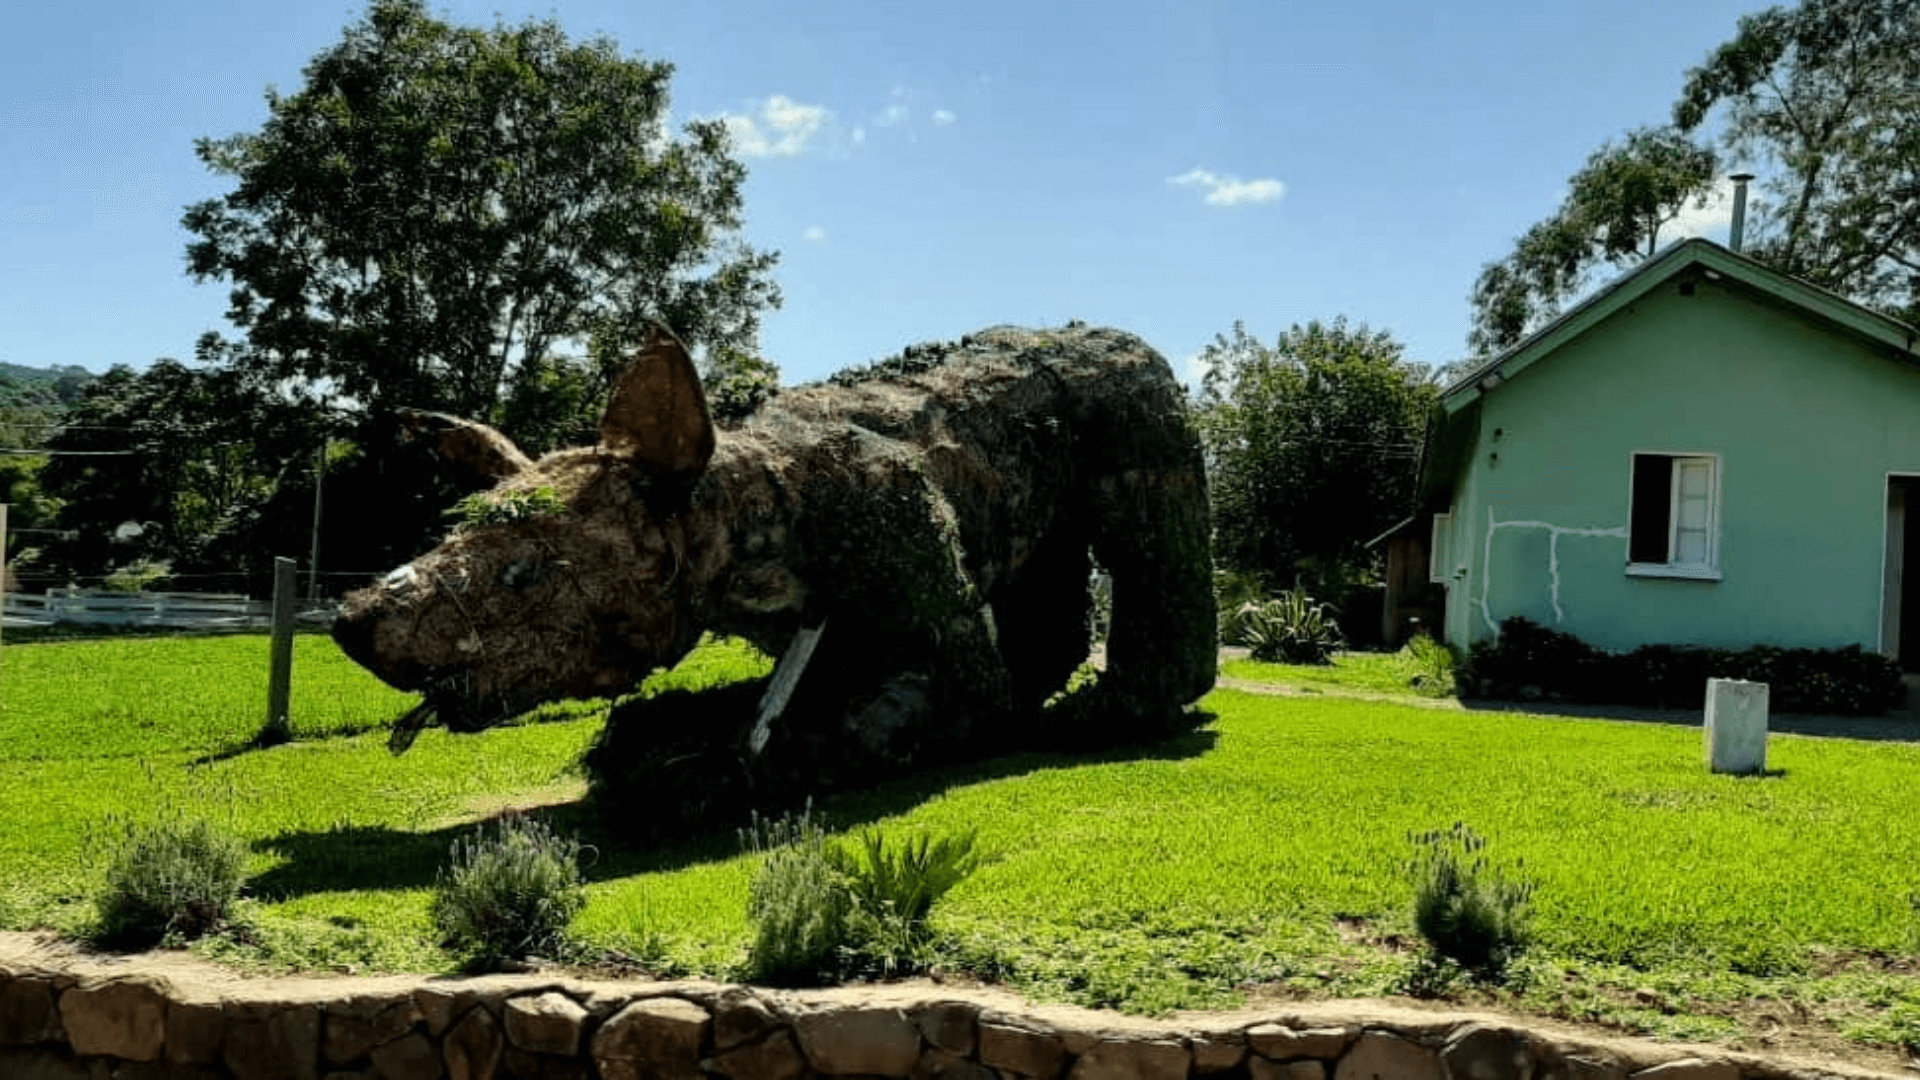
924,169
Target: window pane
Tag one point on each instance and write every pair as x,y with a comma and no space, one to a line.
1692,511
1652,505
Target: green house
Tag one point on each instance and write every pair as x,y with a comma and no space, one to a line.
1705,452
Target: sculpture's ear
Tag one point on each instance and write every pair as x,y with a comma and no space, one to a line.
658,413
483,451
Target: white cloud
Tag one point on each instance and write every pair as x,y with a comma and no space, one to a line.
894,114
943,117
1224,190
778,127
815,233
859,134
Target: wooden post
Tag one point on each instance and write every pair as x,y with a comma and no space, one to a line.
279,728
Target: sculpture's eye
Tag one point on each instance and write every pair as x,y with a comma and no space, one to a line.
526,573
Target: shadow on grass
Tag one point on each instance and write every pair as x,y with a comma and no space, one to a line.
1891,727
378,857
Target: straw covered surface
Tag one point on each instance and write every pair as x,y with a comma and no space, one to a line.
932,515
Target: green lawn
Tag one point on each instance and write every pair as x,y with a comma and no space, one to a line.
1270,847
1363,672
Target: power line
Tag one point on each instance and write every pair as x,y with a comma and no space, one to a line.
71,453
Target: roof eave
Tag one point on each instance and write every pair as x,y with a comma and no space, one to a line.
1649,275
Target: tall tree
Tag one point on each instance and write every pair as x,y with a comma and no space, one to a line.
1313,446
1822,100
440,210
1615,208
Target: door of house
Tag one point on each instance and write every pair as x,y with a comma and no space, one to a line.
1900,602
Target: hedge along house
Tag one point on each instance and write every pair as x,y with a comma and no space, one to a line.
1705,452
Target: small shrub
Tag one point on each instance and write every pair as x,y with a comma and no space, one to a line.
1430,665
894,890
1529,660
1234,592
173,877
799,903
136,576
1469,914
1292,628
511,893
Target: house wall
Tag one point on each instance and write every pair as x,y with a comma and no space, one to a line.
1807,423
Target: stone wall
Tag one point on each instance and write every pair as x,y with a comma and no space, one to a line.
64,1014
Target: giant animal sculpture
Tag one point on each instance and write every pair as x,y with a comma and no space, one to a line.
912,540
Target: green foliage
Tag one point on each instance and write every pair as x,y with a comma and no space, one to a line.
169,877
1821,100
510,894
438,208
799,904
1431,666
486,508
136,576
738,382
192,457
1312,446
1291,628
1234,593
821,911
894,889
1823,97
30,389
1528,659
29,507
1614,210
1470,914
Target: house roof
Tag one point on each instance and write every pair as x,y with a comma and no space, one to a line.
1703,256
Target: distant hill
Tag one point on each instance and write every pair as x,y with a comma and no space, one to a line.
23,387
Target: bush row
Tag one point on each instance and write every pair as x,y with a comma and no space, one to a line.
1529,660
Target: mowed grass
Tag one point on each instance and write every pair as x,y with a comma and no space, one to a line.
1268,848
1364,672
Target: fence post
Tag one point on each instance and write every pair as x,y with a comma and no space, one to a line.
279,728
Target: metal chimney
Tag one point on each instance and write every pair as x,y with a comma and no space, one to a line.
1738,231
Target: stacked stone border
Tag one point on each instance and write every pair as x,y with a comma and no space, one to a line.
69,1016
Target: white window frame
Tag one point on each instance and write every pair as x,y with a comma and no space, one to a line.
1438,548
1707,569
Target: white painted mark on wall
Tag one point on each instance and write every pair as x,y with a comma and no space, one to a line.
1554,532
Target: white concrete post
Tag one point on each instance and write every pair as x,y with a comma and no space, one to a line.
1736,726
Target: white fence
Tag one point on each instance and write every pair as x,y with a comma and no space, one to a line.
186,611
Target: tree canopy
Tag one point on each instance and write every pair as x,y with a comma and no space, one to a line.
1613,213
1821,101
1313,446
444,217
174,465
